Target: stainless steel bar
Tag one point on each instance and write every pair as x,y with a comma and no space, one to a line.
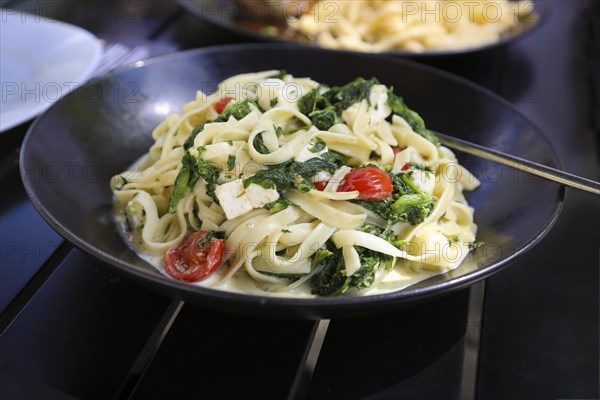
301,385
470,368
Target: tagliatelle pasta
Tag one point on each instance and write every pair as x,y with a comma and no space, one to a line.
413,26
283,186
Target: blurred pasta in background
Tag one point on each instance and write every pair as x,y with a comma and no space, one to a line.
413,26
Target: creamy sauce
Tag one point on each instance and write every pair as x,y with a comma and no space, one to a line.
401,277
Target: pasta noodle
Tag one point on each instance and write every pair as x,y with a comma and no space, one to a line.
409,25
282,186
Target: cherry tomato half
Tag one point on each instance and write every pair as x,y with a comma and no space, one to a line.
189,262
320,185
372,183
222,104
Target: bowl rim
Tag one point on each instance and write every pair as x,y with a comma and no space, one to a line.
331,305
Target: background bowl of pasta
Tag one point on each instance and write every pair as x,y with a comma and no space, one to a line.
400,27
73,152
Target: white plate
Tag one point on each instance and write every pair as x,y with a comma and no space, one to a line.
41,61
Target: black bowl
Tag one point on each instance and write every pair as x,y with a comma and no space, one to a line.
72,150
251,21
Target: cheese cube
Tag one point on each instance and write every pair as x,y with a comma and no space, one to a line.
233,199
218,152
378,99
259,196
423,180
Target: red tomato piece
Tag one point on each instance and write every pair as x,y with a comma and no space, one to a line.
405,166
191,262
222,104
320,185
372,183
398,149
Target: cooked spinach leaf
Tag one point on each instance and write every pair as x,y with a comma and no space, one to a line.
324,105
236,110
273,178
474,245
209,237
407,204
293,174
259,144
279,75
412,208
411,117
355,91
181,187
331,280
318,146
279,205
324,119
193,169
371,261
230,162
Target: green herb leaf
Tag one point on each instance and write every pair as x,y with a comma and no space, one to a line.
371,261
230,162
279,205
181,187
236,110
123,183
324,105
192,170
208,172
325,119
259,144
279,75
474,245
355,91
274,178
408,204
331,280
412,208
413,119
292,174
209,237
318,146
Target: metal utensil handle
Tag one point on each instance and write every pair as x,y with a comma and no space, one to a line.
521,164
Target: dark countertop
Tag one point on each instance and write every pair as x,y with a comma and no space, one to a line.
70,328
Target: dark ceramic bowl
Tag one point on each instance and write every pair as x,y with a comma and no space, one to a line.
253,22
71,152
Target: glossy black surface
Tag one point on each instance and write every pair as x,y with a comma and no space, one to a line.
103,136
388,350
23,251
231,355
106,318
